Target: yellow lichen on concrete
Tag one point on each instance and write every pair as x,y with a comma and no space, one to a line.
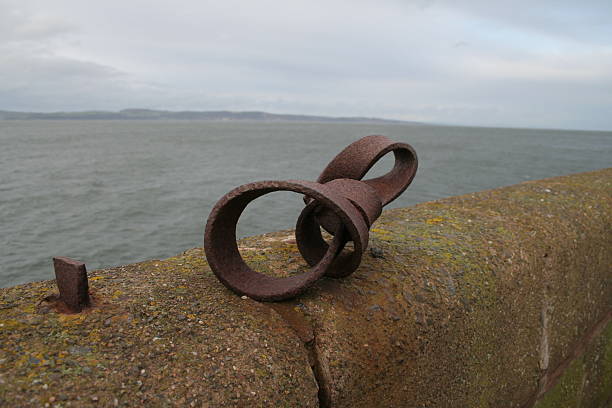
160,333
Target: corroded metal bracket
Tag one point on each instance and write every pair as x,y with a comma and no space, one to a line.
71,278
339,202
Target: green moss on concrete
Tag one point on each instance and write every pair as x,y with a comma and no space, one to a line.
568,391
587,381
597,390
606,365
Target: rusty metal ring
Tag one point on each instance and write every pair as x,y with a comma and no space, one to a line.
357,158
353,163
227,263
308,235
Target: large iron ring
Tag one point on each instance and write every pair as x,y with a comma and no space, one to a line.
227,263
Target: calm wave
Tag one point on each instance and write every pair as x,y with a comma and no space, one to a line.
115,192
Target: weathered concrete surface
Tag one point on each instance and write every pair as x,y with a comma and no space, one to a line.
495,299
161,333
478,298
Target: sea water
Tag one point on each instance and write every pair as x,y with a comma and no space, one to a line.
115,192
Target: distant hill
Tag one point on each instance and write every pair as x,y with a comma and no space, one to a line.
151,114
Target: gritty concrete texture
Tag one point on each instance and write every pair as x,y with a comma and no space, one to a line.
160,333
494,299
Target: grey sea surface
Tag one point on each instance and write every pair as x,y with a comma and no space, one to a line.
115,192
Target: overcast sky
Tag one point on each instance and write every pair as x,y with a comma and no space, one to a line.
533,63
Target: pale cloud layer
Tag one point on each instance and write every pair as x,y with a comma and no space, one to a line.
521,63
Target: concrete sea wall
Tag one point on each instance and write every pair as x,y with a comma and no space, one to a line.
501,298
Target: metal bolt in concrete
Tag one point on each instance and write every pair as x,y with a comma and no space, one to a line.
71,277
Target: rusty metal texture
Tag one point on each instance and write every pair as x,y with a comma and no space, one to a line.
339,202
71,278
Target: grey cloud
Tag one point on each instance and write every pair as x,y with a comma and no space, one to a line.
545,63
19,25
584,20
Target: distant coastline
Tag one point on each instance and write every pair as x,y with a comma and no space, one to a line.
152,114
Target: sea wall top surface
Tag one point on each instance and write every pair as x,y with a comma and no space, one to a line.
485,299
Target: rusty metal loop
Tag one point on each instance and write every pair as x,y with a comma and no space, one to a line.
357,158
308,235
343,173
227,263
339,202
